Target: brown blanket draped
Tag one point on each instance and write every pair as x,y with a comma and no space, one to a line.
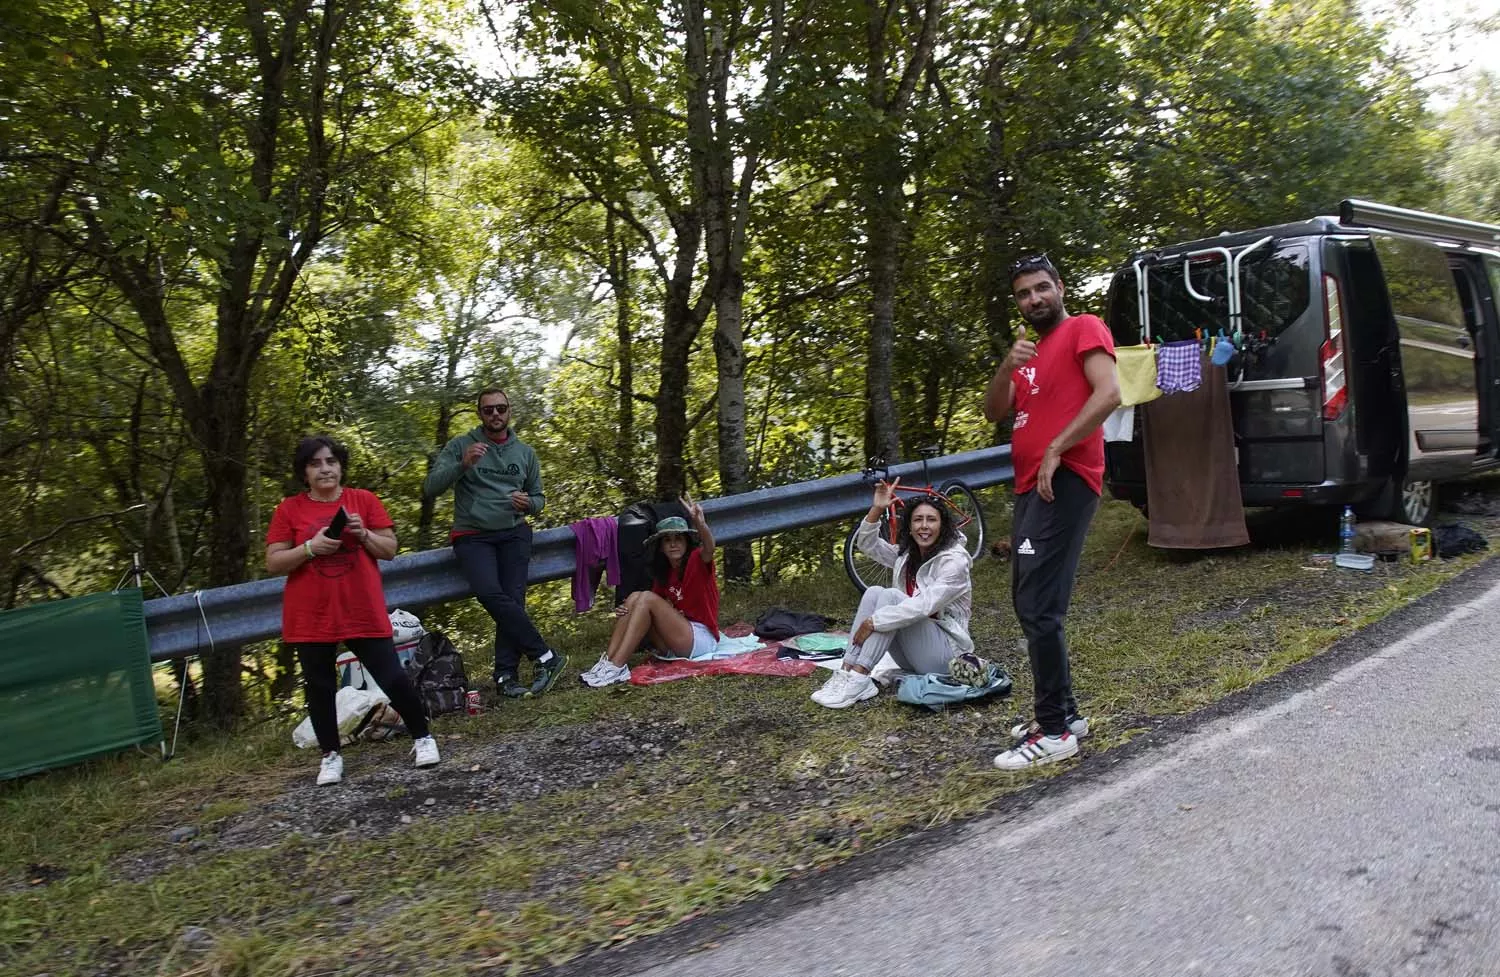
1192,484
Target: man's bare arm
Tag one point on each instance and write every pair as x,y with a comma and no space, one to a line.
1099,369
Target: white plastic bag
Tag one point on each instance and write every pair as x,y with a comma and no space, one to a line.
406,627
352,706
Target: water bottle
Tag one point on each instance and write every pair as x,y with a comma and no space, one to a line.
1346,530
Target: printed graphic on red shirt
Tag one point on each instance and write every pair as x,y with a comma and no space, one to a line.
694,592
1049,392
339,595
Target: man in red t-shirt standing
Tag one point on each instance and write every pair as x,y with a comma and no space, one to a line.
1061,387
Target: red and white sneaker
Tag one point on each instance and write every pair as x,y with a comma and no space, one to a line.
1038,750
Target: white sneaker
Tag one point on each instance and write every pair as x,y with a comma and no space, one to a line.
835,682
426,750
332,770
585,676
1038,751
851,687
606,673
831,688
1077,725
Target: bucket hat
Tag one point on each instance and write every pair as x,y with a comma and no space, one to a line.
669,525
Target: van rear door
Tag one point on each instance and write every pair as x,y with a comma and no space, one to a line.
1437,362
1275,394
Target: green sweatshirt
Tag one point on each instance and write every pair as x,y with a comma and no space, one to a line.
481,495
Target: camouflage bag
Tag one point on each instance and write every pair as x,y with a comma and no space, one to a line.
437,670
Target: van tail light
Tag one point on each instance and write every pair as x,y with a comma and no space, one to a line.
1331,356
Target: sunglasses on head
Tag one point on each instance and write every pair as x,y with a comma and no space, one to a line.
1034,262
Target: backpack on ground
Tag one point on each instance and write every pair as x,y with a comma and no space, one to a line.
637,522
437,670
1456,539
937,692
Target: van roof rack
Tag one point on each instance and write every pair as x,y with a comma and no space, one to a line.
1367,213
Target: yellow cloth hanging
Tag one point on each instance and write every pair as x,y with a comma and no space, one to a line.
1136,366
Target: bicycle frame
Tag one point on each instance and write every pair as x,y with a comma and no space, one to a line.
961,504
879,470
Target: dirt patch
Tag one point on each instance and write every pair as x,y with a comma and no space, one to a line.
382,792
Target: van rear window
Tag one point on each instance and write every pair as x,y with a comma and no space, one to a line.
1274,290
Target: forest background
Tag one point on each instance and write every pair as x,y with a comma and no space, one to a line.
705,246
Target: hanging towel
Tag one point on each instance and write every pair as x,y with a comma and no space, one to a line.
595,547
1192,480
1136,368
1179,367
1120,425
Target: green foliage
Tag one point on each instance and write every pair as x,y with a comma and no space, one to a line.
1471,169
176,313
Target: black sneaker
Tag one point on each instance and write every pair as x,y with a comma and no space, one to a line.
511,688
547,673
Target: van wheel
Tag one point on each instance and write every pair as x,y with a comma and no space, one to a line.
1411,502
1416,501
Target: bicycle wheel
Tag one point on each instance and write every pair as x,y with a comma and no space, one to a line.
965,502
863,571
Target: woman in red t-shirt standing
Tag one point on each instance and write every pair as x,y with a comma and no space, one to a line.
680,613
333,595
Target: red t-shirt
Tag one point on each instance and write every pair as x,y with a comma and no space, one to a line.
695,593
338,596
1049,393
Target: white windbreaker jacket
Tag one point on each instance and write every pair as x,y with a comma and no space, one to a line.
944,591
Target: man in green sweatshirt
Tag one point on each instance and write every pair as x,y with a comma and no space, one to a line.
496,484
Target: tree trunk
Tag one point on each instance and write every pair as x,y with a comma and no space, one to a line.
228,551
678,330
734,459
619,282
882,430
441,434
884,206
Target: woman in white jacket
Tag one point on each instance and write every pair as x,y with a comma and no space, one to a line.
922,619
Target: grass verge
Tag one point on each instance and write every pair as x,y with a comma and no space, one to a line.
589,818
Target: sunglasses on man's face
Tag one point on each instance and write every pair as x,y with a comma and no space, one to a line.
494,409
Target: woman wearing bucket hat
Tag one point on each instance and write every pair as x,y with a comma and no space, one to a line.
680,613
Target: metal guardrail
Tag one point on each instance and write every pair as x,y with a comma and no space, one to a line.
180,626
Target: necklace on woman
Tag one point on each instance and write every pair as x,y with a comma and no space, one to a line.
336,496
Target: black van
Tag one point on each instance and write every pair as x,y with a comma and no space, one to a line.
1367,368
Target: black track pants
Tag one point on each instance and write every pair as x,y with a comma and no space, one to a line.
1046,543
321,684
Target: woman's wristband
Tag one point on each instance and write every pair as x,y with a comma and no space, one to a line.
307,548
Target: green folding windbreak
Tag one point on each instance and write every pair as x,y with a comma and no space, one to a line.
75,681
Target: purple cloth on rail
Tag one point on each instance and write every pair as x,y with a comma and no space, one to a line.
1179,368
596,547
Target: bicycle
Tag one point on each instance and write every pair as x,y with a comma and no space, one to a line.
959,498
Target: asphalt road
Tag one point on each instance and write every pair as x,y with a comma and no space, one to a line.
1343,822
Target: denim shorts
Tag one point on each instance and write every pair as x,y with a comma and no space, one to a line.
704,642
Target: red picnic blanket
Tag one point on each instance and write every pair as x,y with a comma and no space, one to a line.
761,661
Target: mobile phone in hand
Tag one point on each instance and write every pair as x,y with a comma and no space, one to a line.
336,528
